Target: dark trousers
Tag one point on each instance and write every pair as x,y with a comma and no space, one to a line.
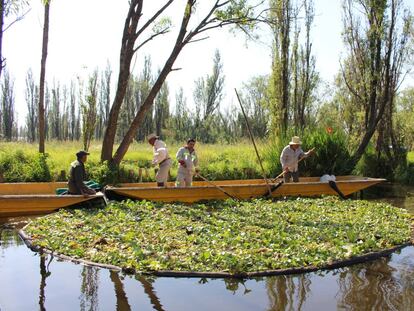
293,175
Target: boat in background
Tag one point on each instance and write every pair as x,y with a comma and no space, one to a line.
21,199
242,189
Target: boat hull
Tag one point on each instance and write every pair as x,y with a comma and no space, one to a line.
242,189
21,199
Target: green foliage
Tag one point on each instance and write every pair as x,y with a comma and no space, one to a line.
223,236
106,174
331,153
18,166
374,164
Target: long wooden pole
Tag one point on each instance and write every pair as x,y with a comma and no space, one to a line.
218,187
254,144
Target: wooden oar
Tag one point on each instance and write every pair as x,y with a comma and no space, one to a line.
254,144
273,180
335,188
218,187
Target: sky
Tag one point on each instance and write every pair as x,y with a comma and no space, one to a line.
86,34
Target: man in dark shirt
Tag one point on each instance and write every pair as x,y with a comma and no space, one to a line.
77,176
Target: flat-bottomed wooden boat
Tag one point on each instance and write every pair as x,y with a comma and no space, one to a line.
242,189
20,199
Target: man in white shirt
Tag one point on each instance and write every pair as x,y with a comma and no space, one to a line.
290,157
161,158
188,161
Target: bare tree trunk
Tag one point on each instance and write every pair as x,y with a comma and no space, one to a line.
42,80
2,12
129,136
128,50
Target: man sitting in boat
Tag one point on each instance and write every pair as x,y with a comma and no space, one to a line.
161,158
77,176
290,157
188,161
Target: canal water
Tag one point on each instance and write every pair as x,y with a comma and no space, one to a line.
29,281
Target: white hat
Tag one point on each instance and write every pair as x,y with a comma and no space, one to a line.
151,136
295,141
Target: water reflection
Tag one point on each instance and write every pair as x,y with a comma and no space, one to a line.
89,289
384,284
121,297
287,292
44,274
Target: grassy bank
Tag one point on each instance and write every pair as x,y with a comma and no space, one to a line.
21,162
216,161
227,236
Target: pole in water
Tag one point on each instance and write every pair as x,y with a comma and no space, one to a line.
254,144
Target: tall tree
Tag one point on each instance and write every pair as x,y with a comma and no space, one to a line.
161,109
89,110
7,107
219,14
130,35
376,34
104,101
255,97
54,116
72,111
281,14
45,41
32,99
208,94
143,87
181,121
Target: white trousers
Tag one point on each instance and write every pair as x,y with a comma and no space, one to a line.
162,174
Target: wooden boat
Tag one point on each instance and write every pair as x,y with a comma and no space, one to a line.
242,189
18,199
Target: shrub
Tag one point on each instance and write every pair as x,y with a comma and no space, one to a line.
20,167
331,153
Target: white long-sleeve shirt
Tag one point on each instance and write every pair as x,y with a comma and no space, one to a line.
190,158
290,157
160,152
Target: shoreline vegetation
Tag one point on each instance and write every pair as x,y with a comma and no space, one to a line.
225,238
20,162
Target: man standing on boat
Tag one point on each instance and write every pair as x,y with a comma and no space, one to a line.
161,158
290,157
188,162
77,176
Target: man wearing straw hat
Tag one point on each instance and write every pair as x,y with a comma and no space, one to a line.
161,158
290,157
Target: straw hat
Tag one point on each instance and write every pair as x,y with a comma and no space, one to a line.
295,141
151,136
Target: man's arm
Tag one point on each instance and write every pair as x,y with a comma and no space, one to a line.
180,156
160,153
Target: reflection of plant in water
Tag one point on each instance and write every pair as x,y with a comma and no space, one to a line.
150,291
9,237
377,284
44,273
121,297
233,285
89,289
288,292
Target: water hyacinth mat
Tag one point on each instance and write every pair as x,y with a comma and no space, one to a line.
229,237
